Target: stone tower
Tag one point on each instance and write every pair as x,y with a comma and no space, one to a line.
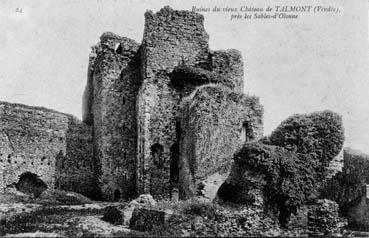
142,100
110,107
162,117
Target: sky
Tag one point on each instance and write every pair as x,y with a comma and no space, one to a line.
315,62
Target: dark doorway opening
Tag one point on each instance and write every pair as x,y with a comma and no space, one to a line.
30,183
157,155
174,168
174,164
228,192
117,195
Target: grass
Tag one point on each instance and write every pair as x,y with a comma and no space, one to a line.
46,219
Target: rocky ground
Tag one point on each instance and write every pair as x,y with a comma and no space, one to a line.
55,216
63,214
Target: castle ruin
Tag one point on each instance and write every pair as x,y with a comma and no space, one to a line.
158,117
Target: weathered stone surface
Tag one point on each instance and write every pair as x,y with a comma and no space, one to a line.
224,67
166,46
46,143
135,132
113,215
144,200
349,189
114,73
30,183
144,219
170,38
216,121
133,98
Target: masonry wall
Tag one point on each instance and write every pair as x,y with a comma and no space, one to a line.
228,64
170,37
349,189
116,79
34,139
75,169
353,190
212,129
224,67
88,93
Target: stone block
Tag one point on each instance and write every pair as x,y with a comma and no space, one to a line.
113,215
144,219
144,200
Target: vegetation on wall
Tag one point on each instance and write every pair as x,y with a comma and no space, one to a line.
289,178
320,134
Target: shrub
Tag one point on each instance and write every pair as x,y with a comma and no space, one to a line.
320,134
197,208
290,178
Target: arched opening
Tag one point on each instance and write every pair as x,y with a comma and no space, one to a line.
246,132
30,183
157,155
117,195
228,192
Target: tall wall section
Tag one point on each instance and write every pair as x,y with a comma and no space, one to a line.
216,121
223,67
37,140
75,170
170,38
115,81
350,189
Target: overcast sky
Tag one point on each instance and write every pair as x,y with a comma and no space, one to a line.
313,63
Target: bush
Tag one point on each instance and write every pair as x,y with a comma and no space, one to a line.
290,179
203,209
320,134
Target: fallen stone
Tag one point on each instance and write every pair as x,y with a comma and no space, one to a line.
113,215
144,219
94,225
144,200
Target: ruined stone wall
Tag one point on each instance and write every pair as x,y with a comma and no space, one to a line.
88,93
228,64
358,213
34,139
224,67
116,79
132,98
170,37
348,188
75,169
212,129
